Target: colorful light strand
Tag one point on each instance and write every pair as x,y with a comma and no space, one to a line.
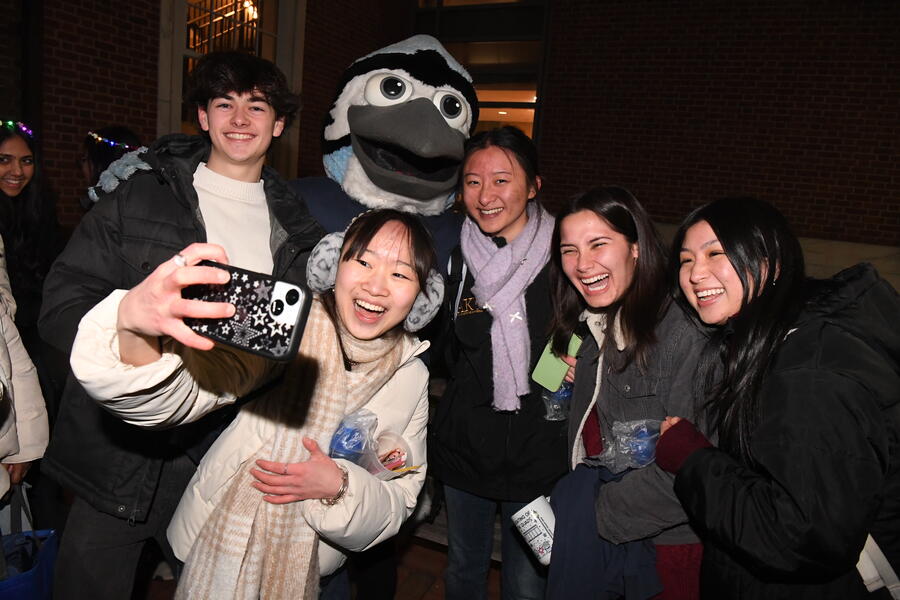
102,140
13,125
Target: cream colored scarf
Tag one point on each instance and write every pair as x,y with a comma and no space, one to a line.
252,549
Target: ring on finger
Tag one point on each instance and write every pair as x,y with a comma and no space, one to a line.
179,260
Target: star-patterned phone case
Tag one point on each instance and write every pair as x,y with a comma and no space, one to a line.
269,317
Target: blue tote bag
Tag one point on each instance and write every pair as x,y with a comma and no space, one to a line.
28,557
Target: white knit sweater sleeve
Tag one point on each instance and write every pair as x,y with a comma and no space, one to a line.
161,394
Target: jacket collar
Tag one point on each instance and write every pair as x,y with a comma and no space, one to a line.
412,347
178,155
596,322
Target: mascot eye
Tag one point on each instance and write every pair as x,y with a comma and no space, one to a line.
452,108
385,89
392,88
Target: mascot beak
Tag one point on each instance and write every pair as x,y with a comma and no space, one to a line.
408,149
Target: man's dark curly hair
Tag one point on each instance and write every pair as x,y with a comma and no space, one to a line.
220,73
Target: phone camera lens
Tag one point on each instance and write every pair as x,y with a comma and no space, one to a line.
292,297
277,307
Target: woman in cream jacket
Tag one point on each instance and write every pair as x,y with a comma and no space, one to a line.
23,415
165,394
381,285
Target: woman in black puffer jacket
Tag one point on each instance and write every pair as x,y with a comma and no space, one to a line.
807,414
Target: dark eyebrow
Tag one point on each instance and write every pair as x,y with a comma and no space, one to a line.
399,262
704,245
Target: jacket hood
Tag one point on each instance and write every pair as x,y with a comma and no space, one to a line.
860,302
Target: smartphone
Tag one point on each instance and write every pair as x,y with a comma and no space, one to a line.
550,369
269,316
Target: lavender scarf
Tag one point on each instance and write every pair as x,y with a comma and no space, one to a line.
501,278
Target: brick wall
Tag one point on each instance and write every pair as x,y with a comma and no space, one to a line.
94,75
683,102
337,33
11,59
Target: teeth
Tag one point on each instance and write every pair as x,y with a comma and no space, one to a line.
371,307
238,136
491,211
591,280
712,292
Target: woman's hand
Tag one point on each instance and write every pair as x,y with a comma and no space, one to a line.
667,424
17,471
318,477
570,372
154,307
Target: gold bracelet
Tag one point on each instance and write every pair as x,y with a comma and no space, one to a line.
345,481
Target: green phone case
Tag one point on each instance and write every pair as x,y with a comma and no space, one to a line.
550,370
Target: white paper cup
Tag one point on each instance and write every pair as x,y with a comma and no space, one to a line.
535,521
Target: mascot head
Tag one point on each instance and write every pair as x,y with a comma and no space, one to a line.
394,135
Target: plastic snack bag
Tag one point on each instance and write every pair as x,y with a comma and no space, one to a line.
386,457
633,445
354,437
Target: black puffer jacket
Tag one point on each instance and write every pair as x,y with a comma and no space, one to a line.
145,221
499,455
828,448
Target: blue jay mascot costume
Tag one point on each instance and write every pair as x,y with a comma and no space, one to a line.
394,139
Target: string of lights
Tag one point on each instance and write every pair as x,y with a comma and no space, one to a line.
13,125
102,140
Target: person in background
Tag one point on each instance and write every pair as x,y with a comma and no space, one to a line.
490,444
29,230
214,188
807,463
98,150
637,363
28,227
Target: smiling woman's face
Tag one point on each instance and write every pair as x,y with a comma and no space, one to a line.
16,165
496,192
707,278
375,291
597,259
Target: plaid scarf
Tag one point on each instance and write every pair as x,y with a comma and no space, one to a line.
252,549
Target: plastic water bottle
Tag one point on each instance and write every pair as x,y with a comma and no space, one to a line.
557,403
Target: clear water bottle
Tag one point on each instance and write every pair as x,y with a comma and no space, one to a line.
557,403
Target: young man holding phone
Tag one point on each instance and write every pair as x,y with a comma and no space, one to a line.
211,188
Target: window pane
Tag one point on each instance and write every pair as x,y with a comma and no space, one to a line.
246,25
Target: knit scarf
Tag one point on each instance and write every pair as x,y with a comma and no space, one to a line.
249,548
501,277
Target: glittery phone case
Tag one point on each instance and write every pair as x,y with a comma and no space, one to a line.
269,317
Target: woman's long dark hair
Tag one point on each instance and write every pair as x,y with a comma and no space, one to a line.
28,227
768,260
645,300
